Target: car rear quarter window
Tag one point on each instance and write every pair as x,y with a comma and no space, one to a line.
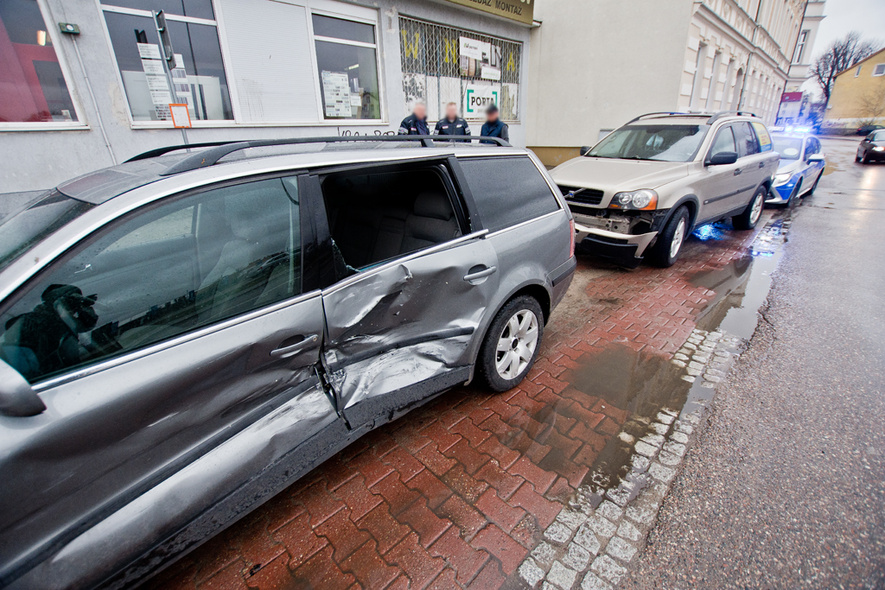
507,190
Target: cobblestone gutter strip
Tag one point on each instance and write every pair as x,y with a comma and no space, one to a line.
594,538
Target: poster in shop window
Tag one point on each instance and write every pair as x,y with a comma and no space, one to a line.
479,59
478,97
155,78
336,94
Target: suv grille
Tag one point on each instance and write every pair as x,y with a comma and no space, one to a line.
588,196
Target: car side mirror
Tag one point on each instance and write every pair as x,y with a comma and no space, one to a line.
16,396
585,149
815,158
722,158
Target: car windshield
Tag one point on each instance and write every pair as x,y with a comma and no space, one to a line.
878,135
789,148
20,231
667,143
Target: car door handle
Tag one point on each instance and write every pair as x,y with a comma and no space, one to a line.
737,171
762,164
480,274
301,342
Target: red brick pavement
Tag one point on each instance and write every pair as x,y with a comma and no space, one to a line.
457,493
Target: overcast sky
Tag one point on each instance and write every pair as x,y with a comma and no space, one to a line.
866,16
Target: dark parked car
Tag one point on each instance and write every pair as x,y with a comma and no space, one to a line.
183,335
867,129
872,148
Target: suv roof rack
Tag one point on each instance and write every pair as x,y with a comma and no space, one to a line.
716,116
216,150
656,113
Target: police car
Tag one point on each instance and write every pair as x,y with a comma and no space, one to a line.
801,165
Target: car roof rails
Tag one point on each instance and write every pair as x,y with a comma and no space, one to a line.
216,150
722,114
659,113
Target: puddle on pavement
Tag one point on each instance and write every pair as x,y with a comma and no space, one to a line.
644,384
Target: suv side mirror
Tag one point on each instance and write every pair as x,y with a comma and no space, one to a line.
16,396
585,149
815,158
722,158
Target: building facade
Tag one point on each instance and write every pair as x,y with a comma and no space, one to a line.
89,83
797,103
610,60
858,96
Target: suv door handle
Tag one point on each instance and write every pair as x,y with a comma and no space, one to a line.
737,171
286,350
480,274
762,164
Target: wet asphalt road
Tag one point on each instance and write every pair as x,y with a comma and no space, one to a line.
785,488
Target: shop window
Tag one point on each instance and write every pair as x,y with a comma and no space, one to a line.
32,86
194,72
445,64
348,68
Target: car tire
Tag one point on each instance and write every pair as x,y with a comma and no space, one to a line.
666,250
516,330
753,213
814,186
857,158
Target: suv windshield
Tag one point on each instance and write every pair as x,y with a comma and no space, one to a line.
19,232
788,147
667,143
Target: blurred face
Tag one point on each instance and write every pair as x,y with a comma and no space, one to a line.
420,111
492,117
451,112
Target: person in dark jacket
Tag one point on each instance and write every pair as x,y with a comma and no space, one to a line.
494,126
416,123
452,124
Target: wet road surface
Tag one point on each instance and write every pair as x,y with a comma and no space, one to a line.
786,486
487,491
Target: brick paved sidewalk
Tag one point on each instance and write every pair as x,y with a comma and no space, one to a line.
456,494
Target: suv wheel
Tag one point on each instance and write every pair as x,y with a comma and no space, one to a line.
666,249
751,215
511,344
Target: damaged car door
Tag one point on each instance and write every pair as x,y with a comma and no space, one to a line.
155,341
418,283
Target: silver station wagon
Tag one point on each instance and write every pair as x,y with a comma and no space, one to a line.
186,334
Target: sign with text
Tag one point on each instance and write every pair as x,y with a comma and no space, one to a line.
516,10
478,97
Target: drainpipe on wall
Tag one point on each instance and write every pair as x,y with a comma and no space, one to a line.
98,118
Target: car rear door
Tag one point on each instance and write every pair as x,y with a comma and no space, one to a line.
399,329
168,357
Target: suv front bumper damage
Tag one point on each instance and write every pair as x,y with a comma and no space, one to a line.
622,249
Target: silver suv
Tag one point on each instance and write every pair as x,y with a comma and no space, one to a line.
643,188
184,335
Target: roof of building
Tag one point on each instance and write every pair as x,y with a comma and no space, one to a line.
861,62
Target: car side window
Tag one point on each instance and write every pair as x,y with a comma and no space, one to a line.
724,141
379,213
747,143
159,273
508,190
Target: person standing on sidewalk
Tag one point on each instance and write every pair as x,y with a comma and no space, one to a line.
452,124
494,126
416,123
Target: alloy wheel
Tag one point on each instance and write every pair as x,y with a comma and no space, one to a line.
756,211
516,345
678,238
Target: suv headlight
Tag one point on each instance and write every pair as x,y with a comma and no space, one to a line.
782,177
642,199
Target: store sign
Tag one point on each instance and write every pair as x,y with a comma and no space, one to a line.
516,10
477,98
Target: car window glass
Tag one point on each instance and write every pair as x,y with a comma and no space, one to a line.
724,141
746,139
385,212
162,272
508,190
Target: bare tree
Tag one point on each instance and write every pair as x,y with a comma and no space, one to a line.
841,55
872,105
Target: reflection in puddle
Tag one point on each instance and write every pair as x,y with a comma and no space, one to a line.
653,388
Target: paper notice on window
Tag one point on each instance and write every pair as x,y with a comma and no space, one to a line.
148,51
336,94
472,48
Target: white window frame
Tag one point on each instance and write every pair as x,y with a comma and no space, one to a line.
80,124
326,8
330,8
102,8
879,70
